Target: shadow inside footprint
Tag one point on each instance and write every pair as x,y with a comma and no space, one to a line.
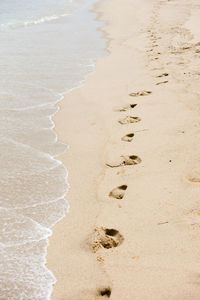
105,292
106,238
126,160
129,119
118,192
125,108
162,82
128,137
162,75
131,160
140,93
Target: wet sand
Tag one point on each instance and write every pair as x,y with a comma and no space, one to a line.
134,164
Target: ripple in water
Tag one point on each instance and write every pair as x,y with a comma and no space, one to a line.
47,48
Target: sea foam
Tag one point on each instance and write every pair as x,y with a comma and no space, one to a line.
47,49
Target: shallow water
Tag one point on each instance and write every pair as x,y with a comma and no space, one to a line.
47,48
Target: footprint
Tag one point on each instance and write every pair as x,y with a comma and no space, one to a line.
194,179
140,93
118,192
128,137
129,160
125,108
106,238
129,119
105,292
162,75
186,47
126,160
162,82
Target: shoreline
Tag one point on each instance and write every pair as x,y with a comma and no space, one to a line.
132,229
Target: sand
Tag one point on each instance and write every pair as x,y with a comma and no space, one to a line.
133,230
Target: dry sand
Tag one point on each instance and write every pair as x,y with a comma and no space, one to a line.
144,186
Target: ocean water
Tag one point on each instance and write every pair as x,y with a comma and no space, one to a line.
48,47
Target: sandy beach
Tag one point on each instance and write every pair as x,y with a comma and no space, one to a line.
133,229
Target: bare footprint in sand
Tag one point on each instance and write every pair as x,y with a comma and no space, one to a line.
125,108
129,119
162,82
118,192
106,292
106,238
194,179
125,160
140,93
162,75
128,137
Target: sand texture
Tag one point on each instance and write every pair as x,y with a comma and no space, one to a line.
133,230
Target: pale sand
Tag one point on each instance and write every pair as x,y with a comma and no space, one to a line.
158,216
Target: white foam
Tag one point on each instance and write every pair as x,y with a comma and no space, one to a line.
39,21
23,274
33,182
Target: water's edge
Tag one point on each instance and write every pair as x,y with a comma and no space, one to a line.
34,182
92,9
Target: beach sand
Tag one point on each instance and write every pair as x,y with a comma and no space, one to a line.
133,229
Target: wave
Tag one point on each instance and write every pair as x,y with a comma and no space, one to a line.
27,23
